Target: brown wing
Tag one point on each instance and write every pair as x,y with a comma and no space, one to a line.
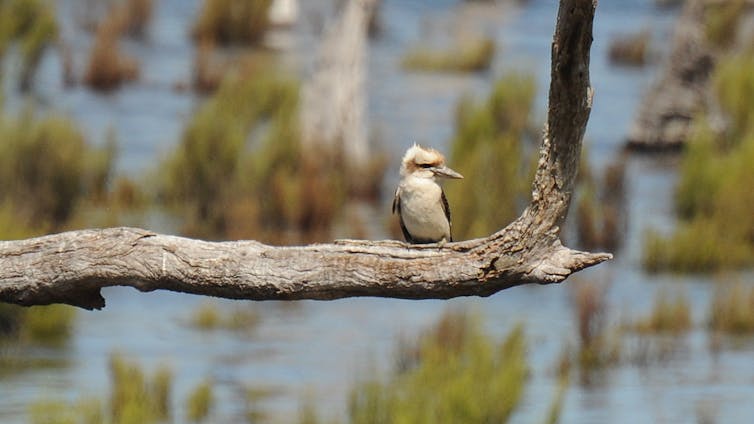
446,209
397,207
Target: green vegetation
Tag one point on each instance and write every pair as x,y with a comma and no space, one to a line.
199,402
136,16
489,146
31,24
667,315
597,346
714,198
599,208
722,21
47,169
134,398
456,374
732,310
239,170
632,50
210,317
108,65
232,22
47,325
471,55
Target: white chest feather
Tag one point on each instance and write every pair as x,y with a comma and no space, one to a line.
422,209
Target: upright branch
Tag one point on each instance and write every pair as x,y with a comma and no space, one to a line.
72,267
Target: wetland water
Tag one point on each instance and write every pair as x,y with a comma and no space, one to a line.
316,349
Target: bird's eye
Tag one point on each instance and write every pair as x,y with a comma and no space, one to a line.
425,165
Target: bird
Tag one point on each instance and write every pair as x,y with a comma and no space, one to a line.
419,201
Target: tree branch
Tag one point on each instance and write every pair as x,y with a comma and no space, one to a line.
72,267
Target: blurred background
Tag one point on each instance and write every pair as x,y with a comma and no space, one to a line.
284,121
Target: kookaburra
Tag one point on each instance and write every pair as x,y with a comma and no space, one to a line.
419,200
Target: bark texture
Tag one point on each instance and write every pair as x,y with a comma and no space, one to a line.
72,267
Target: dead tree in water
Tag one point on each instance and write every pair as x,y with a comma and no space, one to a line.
72,267
333,100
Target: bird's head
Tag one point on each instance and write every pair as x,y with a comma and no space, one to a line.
425,162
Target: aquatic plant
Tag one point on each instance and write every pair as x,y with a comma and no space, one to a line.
32,24
631,50
722,21
51,412
200,402
137,14
240,170
474,54
51,324
135,397
47,325
209,316
713,197
232,22
598,347
47,168
599,212
459,375
488,146
108,66
732,310
667,315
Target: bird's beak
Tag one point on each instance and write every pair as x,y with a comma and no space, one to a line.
444,171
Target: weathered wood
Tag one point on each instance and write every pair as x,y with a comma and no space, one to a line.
72,267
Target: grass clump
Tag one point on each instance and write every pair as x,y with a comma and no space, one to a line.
471,55
200,401
46,325
596,347
630,50
722,21
667,315
600,209
732,310
108,65
457,374
135,398
239,170
31,24
210,317
713,197
489,146
47,169
228,22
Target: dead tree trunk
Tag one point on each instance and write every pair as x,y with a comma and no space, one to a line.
72,267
